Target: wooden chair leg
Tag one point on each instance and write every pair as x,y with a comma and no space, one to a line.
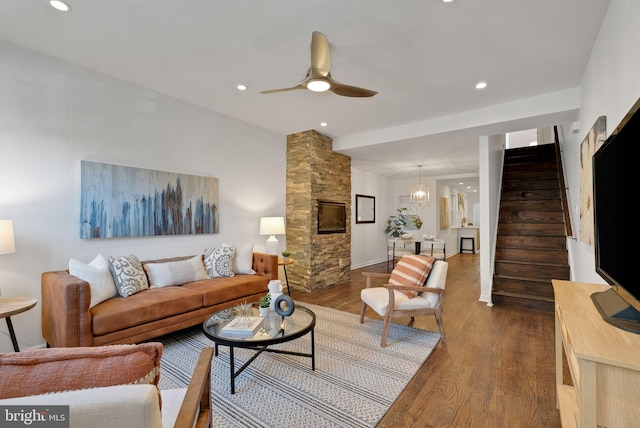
362,311
441,326
385,330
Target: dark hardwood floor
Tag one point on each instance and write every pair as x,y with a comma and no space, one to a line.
497,368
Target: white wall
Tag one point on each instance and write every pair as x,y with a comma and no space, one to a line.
368,240
491,163
610,86
54,114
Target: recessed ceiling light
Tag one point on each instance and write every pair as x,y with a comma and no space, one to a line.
323,124
60,5
481,85
447,1
241,87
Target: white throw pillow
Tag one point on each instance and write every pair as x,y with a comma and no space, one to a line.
98,275
219,261
243,260
175,273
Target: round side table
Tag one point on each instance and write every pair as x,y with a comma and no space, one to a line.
12,306
284,263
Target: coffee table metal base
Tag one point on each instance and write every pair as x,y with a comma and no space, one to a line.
259,350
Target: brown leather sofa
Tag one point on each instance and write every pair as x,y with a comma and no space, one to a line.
67,319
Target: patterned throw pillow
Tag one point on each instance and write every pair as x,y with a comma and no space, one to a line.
128,275
99,277
219,261
412,270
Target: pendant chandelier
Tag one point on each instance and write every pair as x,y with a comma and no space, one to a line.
419,192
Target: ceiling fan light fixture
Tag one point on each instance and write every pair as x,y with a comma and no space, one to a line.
318,85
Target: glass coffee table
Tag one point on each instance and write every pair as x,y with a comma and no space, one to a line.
271,330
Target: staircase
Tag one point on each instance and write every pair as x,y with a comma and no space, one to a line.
531,244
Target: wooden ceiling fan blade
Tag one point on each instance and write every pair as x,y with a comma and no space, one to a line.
350,91
320,55
301,85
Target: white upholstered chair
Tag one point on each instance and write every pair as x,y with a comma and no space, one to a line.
389,302
102,388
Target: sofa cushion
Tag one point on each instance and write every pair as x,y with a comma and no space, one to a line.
219,261
175,273
128,275
131,406
219,290
151,305
39,371
172,400
98,275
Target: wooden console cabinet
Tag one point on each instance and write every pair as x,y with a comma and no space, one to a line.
603,360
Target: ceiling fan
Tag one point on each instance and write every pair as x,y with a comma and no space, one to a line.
318,77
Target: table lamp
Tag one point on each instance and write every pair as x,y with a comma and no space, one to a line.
7,243
272,226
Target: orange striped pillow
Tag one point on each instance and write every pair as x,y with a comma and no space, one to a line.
412,270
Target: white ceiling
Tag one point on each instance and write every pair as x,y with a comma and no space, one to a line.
422,56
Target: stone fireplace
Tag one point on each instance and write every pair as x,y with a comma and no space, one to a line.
315,172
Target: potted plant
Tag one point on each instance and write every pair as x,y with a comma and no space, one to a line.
265,303
286,254
396,223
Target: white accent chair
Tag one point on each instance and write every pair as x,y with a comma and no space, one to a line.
127,405
388,302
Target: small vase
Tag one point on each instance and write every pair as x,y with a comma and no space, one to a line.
264,311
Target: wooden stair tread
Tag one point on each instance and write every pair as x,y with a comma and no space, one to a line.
524,278
524,296
531,263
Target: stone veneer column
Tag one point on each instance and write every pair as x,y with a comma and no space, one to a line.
315,171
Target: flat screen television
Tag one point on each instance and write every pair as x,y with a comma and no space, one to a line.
614,172
332,217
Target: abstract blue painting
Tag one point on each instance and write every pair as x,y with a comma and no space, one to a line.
121,201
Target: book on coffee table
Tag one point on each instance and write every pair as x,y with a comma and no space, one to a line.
243,325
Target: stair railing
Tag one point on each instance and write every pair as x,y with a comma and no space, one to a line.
563,188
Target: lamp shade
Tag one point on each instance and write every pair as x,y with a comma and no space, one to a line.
7,243
272,226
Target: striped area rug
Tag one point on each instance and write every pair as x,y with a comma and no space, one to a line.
354,384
